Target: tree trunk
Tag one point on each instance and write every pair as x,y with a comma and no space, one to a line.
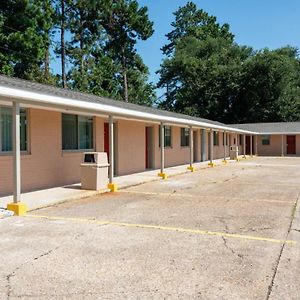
47,45
62,45
47,63
81,56
125,86
81,45
125,80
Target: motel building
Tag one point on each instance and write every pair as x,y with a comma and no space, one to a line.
45,130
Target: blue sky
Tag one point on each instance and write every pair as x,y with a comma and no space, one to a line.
256,23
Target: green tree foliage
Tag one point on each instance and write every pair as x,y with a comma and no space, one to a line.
207,74
85,43
125,22
191,21
270,87
25,33
95,40
139,90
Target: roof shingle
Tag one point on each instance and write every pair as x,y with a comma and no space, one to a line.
270,128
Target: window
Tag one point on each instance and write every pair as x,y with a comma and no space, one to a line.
168,136
6,129
77,132
265,140
216,138
185,137
225,139
240,139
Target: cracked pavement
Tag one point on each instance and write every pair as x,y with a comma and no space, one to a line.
101,248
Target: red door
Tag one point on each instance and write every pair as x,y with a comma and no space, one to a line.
106,139
291,144
247,145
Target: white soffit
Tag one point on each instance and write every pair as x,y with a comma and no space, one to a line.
68,104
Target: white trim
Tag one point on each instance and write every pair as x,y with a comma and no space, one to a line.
278,133
16,153
69,104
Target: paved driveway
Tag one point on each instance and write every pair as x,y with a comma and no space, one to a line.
230,232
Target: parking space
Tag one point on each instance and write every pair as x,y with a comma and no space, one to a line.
230,232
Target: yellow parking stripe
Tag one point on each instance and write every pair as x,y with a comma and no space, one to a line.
262,183
167,228
202,196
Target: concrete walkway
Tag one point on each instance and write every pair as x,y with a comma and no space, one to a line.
48,197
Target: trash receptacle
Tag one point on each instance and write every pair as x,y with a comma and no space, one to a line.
234,152
94,171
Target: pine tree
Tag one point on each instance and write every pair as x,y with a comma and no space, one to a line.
125,22
25,38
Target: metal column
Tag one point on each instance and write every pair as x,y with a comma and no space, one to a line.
282,146
237,144
244,145
112,186
162,174
251,152
203,145
256,148
16,206
224,144
191,140
211,154
16,153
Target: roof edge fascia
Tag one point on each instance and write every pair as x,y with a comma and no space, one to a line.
23,95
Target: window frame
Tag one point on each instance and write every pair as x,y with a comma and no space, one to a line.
266,137
216,138
169,128
225,139
27,135
184,137
78,149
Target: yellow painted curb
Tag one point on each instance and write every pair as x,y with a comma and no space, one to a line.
162,175
211,165
191,168
113,187
19,209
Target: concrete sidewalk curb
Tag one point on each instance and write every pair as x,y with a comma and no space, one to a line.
59,195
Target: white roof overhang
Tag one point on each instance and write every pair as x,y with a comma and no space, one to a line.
31,98
279,133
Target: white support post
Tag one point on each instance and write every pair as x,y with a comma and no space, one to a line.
162,173
251,146
224,145
244,145
256,148
211,154
191,142
111,185
16,153
17,206
282,145
228,142
237,144
203,145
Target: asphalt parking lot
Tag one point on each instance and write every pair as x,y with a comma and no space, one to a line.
230,232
